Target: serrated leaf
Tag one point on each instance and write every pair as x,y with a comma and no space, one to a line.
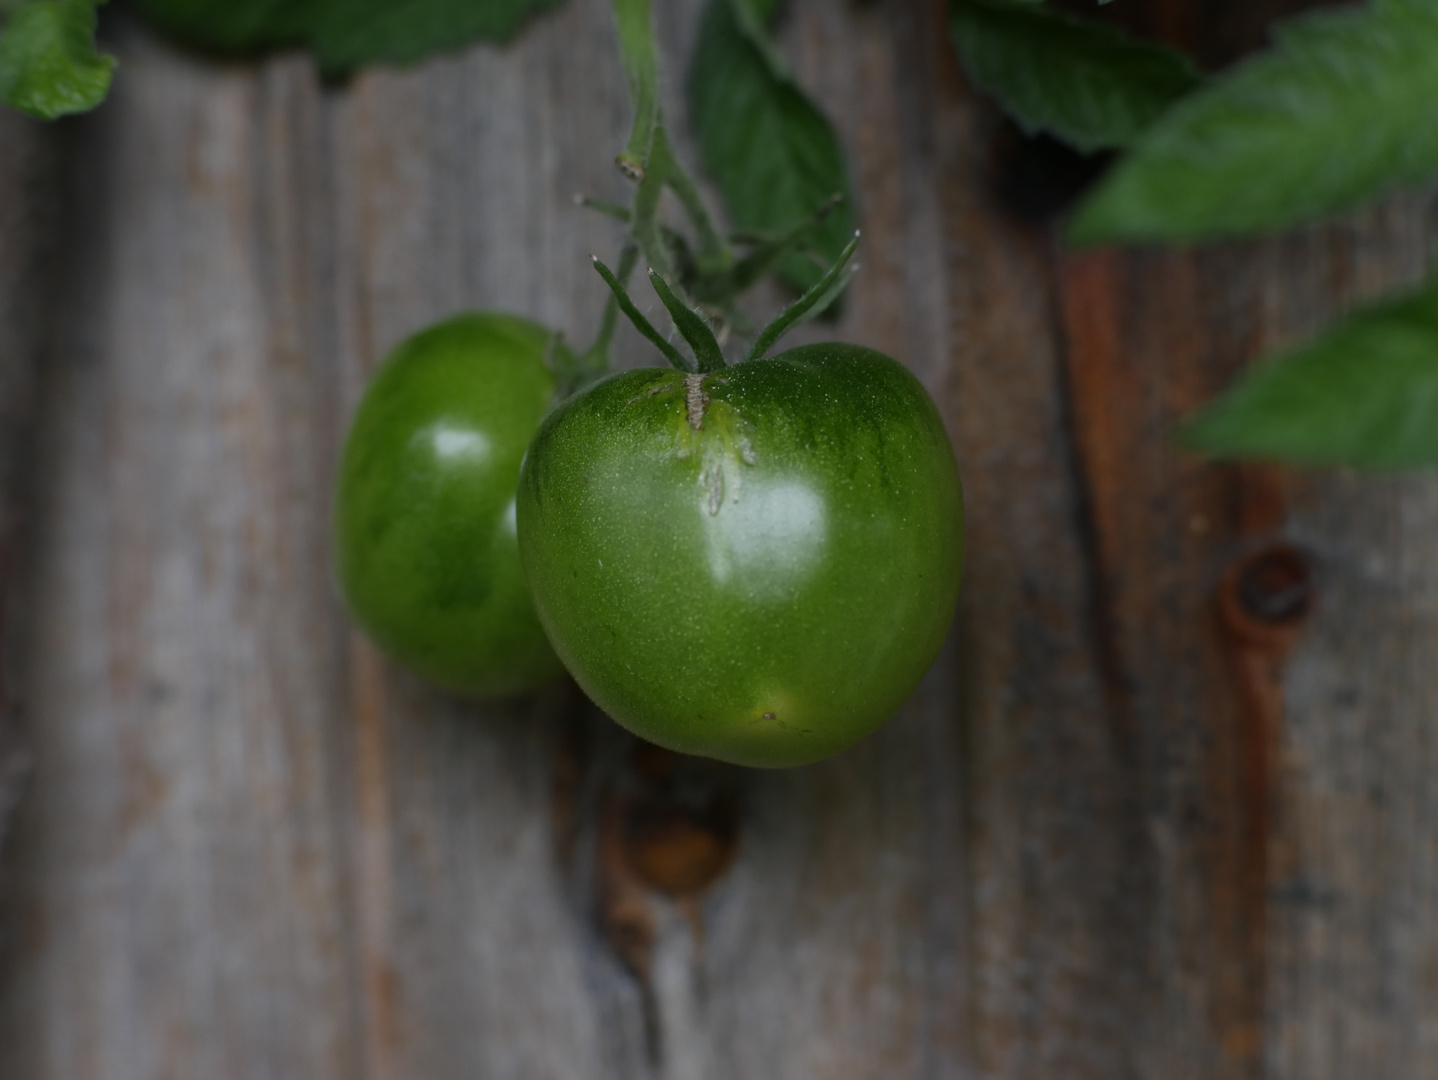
1085,83
344,34
1344,108
1365,393
775,156
48,63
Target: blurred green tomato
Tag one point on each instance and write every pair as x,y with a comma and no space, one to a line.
425,514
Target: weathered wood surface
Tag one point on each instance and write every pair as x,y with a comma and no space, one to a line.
30,176
1115,834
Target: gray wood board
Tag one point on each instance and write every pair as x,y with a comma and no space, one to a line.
31,176
251,848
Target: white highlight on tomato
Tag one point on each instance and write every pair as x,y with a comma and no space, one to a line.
769,537
452,442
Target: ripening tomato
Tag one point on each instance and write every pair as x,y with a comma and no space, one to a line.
425,515
756,565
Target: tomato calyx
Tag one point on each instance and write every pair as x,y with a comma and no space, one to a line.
694,328
814,302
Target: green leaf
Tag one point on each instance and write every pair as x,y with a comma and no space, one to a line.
753,18
756,13
48,63
775,156
1089,85
350,33
1365,393
1344,108
344,34
233,26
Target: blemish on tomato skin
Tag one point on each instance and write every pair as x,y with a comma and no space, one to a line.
695,400
653,391
714,482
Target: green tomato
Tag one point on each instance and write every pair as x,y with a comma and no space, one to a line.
756,565
425,515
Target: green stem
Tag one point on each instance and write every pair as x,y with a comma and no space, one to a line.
608,209
641,64
767,254
649,157
644,224
714,253
650,160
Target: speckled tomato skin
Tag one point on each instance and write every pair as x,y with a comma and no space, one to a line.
766,588
425,540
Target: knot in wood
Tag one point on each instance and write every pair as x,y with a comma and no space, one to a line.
1266,596
1275,586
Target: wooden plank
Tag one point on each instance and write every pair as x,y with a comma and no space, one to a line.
1089,847
1223,724
31,176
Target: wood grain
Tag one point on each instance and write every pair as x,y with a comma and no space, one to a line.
1104,840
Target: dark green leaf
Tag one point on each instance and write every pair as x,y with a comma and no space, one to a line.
1366,393
756,13
344,34
1090,85
1342,109
233,26
48,63
351,33
753,18
774,155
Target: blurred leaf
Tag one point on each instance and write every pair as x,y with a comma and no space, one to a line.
232,26
344,34
1343,108
48,63
350,33
773,153
753,17
1365,393
1090,85
757,11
